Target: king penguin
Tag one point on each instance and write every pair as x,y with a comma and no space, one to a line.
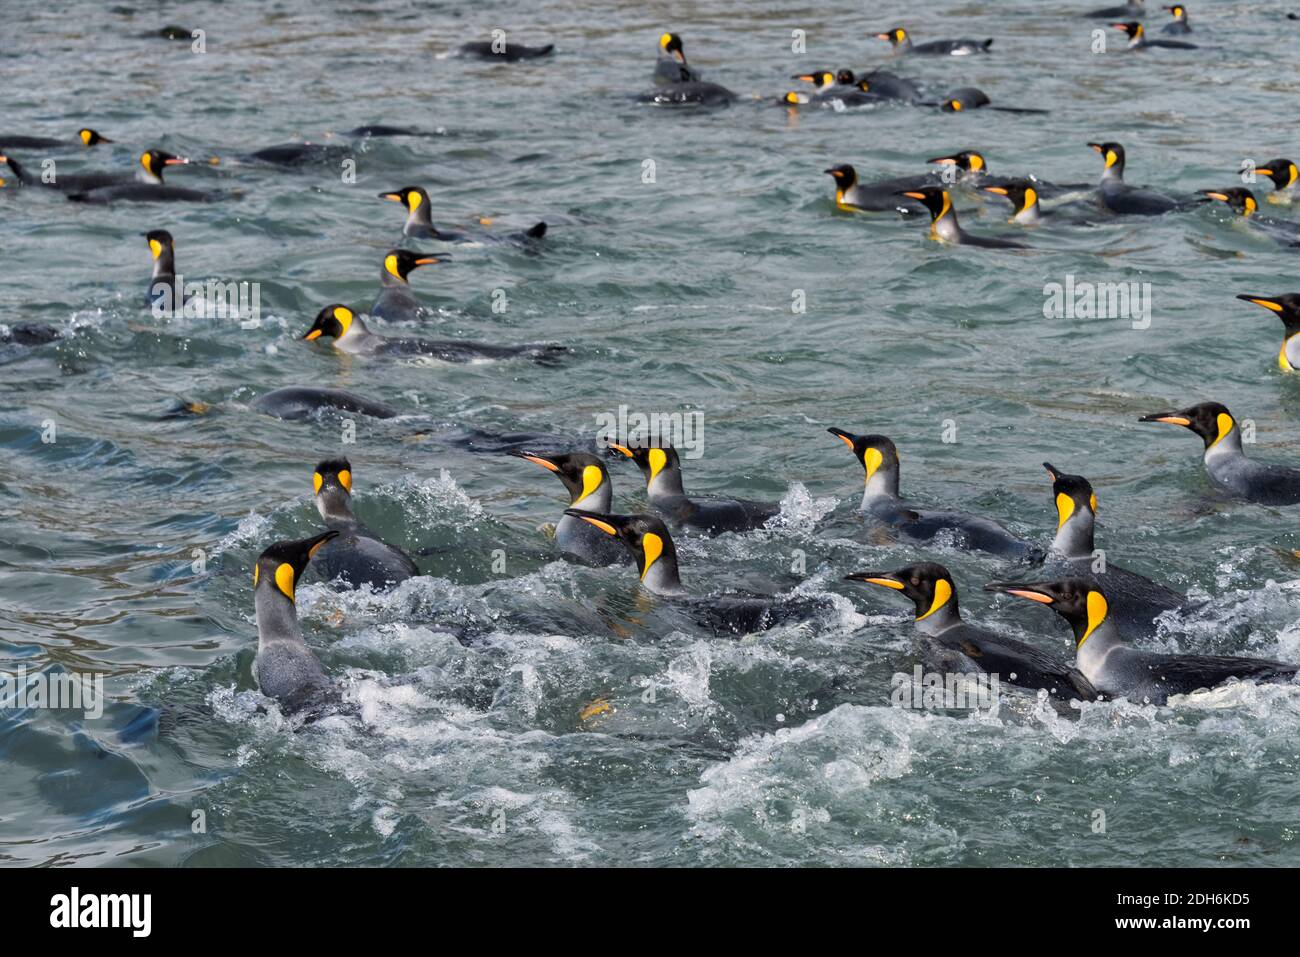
357,556
396,302
419,222
1287,308
586,479
943,221
1121,198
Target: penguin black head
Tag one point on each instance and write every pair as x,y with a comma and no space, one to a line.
845,78
1210,420
332,485
876,453
845,176
1132,29
399,262
1076,600
822,79
653,461
1282,172
645,536
581,472
413,197
933,198
968,161
333,321
1239,199
895,36
1074,495
671,44
1022,193
967,98
1286,306
280,566
154,161
1114,155
160,243
930,586
1177,11
90,137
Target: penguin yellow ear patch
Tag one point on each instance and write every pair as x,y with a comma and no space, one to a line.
413,200
942,592
657,458
653,546
1064,509
390,264
342,313
872,460
1092,501
591,480
255,570
1111,158
345,479
1225,425
317,480
284,577
155,248
1097,609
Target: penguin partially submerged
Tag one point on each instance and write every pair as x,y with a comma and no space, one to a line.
967,98
1287,308
587,481
1226,461
294,403
878,457
503,51
902,43
953,646
875,197
356,556
671,65
943,221
1023,194
1117,669
1283,174
1134,8
396,302
662,470
419,222
1137,38
296,155
85,137
1242,202
148,188
1179,25
164,294
1121,198
285,668
351,335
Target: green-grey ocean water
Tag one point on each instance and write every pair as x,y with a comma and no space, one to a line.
675,295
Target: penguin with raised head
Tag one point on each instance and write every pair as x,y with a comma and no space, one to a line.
396,302
952,645
671,65
285,668
357,556
881,501
165,295
686,88
1226,461
1138,40
419,221
662,470
1287,308
1117,669
586,479
902,43
943,221
1284,175
148,187
350,334
1121,198
1178,26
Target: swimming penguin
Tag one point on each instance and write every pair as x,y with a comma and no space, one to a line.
662,470
1024,200
1284,175
380,130
28,334
1134,8
732,614
149,186
886,84
671,66
164,294
503,52
1287,308
419,221
902,43
834,90
396,302
285,668
878,457
1242,202
1121,198
293,155
587,481
1137,38
689,93
967,98
357,556
1117,669
301,402
1178,25
953,646
151,162
85,137
1135,601
351,335
943,221
880,196
1226,461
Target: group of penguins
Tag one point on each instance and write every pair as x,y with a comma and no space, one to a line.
1108,608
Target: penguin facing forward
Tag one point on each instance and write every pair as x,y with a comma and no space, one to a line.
587,481
1179,25
356,556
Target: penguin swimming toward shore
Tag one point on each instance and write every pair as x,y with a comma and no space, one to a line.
351,335
967,98
1242,202
85,137
902,43
662,470
587,481
419,221
1117,669
356,556
1287,308
881,501
1226,461
943,221
954,646
1121,198
164,294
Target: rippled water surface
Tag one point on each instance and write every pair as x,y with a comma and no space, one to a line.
673,295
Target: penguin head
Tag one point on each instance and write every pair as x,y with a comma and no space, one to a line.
930,587
412,197
398,263
1285,306
1177,11
1076,512
670,44
795,98
1132,29
1022,193
877,454
332,484
967,98
582,473
154,161
279,567
1239,199
1210,420
845,176
1282,172
90,137
933,198
1078,601
968,161
822,79
895,36
657,464
646,537
161,245
845,78
333,321
1113,154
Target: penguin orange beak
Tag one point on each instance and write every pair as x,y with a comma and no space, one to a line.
603,522
884,36
621,448
943,161
176,161
1215,194
426,261
1028,590
912,194
312,334
845,437
883,579
1000,190
1271,304
537,459
1173,418
838,174
1098,147
394,197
